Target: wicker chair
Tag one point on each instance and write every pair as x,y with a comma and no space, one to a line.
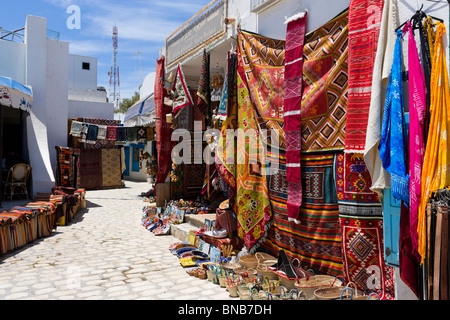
17,179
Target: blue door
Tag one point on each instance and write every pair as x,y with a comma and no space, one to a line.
127,161
135,159
391,224
391,228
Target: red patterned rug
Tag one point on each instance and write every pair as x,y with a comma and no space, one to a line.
363,32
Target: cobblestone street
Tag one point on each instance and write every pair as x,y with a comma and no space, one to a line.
104,254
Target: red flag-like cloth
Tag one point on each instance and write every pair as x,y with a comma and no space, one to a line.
163,129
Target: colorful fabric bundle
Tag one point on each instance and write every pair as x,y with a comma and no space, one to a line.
325,76
435,173
363,33
393,132
111,133
295,37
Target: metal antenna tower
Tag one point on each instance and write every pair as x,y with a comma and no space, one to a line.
114,80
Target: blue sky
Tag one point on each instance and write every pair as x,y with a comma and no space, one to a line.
143,26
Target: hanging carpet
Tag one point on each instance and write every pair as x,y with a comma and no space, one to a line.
325,83
260,117
363,33
315,240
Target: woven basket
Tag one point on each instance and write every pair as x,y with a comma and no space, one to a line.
330,293
265,259
232,286
262,270
355,293
310,284
244,291
249,277
248,261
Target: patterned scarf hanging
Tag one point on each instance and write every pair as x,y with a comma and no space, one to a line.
295,37
182,96
163,129
417,114
435,172
393,135
203,91
364,30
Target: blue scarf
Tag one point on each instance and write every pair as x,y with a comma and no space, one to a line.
393,133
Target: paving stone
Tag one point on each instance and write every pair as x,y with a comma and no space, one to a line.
104,254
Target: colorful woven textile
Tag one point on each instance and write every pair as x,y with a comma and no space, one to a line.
353,184
83,132
75,129
101,134
111,170
435,172
260,110
163,129
91,169
417,114
226,151
91,136
295,37
316,240
203,92
121,135
325,82
225,103
362,248
252,198
393,131
364,20
181,91
132,134
111,133
65,165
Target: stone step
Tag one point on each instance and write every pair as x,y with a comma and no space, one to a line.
192,222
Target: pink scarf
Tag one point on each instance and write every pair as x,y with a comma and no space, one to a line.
417,109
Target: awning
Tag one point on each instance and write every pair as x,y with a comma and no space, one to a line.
141,113
14,94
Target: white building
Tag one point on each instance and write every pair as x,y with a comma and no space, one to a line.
64,86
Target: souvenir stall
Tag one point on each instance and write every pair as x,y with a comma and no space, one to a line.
338,178
22,225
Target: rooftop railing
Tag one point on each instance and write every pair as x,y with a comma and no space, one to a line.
203,28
